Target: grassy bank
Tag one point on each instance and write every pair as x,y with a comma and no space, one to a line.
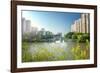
53,53
42,53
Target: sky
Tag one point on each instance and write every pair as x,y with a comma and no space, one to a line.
56,22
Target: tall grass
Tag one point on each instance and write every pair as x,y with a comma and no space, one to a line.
53,52
26,55
42,53
79,53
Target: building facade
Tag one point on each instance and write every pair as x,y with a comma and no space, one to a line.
26,26
81,25
23,25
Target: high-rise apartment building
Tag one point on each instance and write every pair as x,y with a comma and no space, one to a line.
81,25
26,26
23,25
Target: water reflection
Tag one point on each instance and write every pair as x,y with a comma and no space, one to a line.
54,47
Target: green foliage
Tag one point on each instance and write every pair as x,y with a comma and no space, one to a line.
25,45
74,36
79,53
54,53
42,53
39,37
81,37
69,35
63,56
26,55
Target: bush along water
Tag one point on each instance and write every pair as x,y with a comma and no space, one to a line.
78,53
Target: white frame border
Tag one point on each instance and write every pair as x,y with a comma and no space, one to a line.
53,63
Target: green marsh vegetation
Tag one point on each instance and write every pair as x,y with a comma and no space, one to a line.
79,53
42,53
54,52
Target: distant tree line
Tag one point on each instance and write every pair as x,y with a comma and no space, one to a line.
41,36
81,37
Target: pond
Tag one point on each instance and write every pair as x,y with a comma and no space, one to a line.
55,51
